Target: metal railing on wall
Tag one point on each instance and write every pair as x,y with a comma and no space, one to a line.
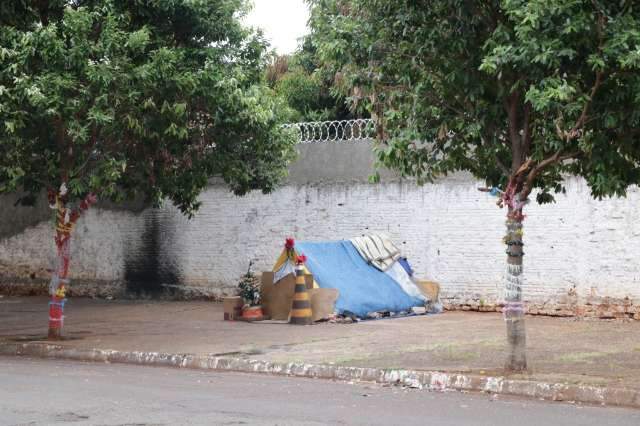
334,131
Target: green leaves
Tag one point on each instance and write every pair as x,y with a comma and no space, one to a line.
136,98
310,92
138,40
490,86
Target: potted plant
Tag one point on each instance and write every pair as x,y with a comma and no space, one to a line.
249,290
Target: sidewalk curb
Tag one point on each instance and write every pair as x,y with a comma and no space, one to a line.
429,380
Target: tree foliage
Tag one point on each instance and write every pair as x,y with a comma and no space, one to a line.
306,87
127,98
517,92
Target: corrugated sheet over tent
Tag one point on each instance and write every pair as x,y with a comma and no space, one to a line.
363,288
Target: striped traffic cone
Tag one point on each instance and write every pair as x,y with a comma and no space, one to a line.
301,306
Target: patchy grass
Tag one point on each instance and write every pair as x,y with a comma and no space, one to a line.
468,345
457,355
347,360
587,357
448,351
251,350
453,352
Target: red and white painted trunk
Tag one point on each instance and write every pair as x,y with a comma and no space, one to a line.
58,288
66,218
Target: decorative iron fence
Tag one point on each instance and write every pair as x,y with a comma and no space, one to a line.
334,131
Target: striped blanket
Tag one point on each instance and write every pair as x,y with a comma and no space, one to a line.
377,250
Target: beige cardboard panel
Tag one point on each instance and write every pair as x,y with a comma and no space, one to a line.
266,278
308,280
323,302
431,289
276,298
232,307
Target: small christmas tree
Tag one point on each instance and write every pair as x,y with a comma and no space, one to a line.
249,287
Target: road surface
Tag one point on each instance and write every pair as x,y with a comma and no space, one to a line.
43,392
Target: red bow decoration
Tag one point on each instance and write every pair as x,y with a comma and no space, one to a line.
301,259
289,243
88,201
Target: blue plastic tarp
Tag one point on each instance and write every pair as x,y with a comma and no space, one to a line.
362,287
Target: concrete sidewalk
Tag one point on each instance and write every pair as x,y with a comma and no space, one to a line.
603,354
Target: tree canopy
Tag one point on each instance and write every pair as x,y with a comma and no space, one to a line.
306,87
518,92
126,98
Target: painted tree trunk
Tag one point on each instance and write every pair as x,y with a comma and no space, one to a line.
514,306
65,221
60,279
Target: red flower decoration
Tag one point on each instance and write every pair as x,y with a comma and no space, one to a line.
91,198
301,259
51,196
88,201
289,243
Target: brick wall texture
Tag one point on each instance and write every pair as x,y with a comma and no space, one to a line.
581,254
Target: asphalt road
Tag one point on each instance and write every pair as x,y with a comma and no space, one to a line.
43,392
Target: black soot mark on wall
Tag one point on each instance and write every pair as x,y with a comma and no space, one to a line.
147,272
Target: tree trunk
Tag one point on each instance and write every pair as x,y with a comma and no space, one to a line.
60,279
65,221
514,307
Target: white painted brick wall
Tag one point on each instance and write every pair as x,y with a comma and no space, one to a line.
450,232
97,248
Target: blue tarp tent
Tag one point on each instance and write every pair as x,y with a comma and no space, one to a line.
363,288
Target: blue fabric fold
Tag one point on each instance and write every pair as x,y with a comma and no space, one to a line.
363,288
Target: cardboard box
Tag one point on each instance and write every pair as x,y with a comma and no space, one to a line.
323,302
308,280
431,289
277,298
232,308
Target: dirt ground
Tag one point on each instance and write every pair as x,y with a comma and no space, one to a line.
559,350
